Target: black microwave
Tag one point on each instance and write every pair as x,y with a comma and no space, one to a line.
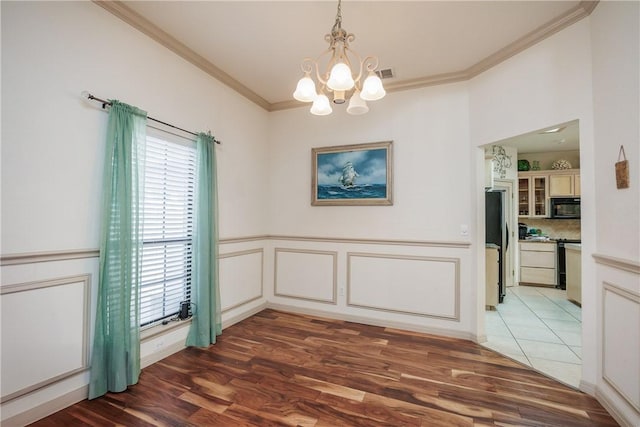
565,207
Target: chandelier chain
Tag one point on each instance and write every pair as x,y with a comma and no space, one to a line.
338,24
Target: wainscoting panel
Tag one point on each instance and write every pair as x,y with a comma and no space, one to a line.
241,277
45,333
618,298
423,286
621,353
306,274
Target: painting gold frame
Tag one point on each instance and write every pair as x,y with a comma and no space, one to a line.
352,175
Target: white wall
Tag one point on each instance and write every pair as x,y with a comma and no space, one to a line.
552,83
431,199
617,110
430,134
615,39
547,84
52,166
52,169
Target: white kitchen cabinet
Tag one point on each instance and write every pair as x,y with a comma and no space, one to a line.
532,196
561,185
538,263
491,281
573,257
536,187
564,183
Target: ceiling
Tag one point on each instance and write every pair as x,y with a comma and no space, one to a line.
256,47
566,138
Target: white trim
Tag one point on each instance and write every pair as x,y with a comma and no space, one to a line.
587,387
455,261
358,241
159,329
48,256
334,254
157,356
241,253
64,255
85,279
612,408
373,321
50,407
618,263
635,298
128,15
242,239
242,316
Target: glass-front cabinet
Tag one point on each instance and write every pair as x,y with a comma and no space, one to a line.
532,196
523,197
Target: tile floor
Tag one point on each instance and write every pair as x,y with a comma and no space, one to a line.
541,328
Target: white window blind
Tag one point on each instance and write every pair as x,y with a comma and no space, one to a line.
167,228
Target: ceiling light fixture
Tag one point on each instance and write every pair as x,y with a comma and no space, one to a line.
554,130
338,79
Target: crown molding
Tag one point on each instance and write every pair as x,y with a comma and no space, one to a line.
589,5
563,21
128,15
145,26
287,105
438,79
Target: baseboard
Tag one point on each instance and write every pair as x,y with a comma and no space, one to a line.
374,322
240,317
612,409
587,387
52,406
157,356
176,347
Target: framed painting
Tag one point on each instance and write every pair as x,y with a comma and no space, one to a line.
352,175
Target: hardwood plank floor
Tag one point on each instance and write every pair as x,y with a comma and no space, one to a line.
282,369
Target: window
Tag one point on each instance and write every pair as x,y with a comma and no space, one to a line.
167,246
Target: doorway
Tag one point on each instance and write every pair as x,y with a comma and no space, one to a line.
536,325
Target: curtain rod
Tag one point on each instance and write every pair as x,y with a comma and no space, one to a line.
105,103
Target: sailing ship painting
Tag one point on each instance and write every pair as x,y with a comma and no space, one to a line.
353,174
348,177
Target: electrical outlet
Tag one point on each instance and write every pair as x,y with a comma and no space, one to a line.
464,230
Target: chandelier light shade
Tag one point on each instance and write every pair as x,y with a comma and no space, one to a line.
372,89
357,105
321,106
306,89
339,80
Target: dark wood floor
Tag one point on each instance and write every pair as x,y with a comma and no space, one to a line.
278,368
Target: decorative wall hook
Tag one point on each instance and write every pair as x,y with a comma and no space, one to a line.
622,170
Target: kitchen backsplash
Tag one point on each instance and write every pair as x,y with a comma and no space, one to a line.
561,228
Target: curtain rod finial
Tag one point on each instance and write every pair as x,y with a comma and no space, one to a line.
217,141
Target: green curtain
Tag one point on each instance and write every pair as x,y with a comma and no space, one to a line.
115,360
206,324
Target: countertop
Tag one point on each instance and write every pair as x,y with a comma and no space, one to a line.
491,246
537,241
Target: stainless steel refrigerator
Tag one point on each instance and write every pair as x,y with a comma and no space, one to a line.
496,232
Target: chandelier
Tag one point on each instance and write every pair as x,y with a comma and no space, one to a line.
338,80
